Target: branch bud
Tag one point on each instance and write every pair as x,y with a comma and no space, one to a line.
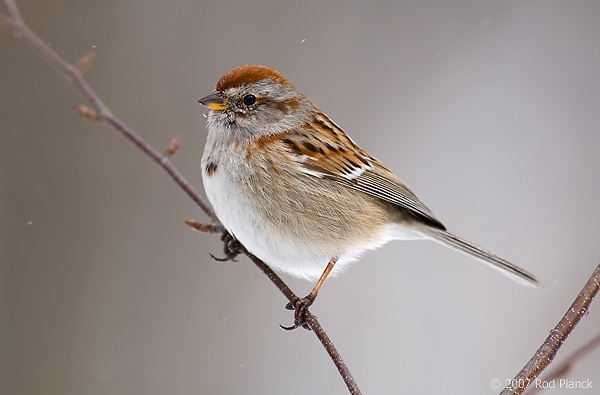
86,112
173,147
204,228
84,63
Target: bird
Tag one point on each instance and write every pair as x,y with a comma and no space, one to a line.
297,192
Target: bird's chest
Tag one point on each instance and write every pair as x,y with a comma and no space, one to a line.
244,193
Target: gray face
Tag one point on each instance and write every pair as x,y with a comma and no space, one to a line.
263,107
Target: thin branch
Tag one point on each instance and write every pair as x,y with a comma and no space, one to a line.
341,366
13,9
566,366
312,322
101,113
17,27
547,351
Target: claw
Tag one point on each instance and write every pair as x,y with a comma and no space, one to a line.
231,248
300,306
225,259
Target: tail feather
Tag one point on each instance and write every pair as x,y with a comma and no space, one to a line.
507,268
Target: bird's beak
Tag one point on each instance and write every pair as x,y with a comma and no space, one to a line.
214,102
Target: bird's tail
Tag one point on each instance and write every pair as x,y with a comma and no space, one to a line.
507,268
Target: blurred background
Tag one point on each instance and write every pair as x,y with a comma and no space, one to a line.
489,110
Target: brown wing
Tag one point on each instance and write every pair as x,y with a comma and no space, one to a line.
335,156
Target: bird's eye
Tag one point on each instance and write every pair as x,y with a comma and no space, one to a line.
249,100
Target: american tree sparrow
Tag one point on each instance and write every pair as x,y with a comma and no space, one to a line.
301,195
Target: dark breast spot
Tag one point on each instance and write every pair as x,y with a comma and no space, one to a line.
211,168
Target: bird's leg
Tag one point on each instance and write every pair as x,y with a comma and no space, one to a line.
301,304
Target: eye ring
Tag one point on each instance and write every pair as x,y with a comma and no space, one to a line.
249,99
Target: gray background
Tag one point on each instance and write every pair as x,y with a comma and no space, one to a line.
490,110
